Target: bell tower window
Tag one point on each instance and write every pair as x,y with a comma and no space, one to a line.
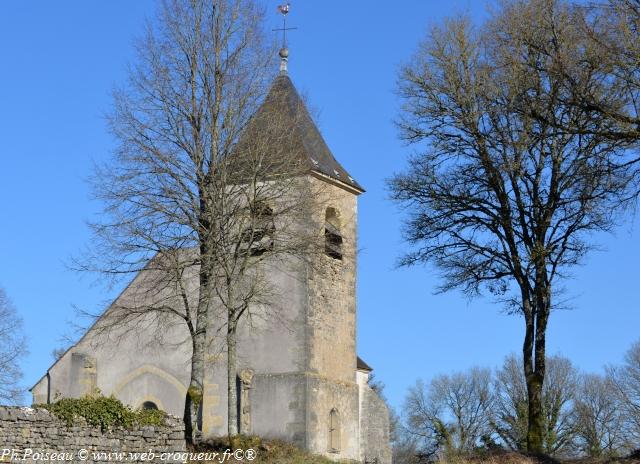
257,238
332,234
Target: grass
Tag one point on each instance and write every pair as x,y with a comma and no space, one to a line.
267,452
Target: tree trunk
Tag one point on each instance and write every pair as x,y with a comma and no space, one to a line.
534,388
195,392
232,388
191,405
535,431
534,354
193,400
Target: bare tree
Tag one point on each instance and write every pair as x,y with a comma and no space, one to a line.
626,381
599,422
12,350
57,353
407,449
510,413
618,28
500,199
264,219
452,414
613,27
422,422
511,407
204,192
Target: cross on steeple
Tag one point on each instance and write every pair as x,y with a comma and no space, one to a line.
284,10
284,51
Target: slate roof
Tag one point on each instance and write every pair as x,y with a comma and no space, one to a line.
304,137
363,366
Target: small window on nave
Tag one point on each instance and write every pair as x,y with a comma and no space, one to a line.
332,234
149,405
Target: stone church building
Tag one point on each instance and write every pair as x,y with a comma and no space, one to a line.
299,376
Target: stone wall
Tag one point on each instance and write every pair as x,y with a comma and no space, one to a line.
31,435
374,429
331,313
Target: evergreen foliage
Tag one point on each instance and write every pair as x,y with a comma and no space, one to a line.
102,411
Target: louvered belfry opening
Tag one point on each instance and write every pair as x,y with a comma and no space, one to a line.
259,236
332,234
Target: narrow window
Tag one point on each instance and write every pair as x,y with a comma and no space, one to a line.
334,431
332,235
149,405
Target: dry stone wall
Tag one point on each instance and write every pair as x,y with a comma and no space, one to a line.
34,435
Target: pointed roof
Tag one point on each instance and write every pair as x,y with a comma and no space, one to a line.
304,137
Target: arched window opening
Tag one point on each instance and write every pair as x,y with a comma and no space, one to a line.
258,236
334,431
332,234
149,405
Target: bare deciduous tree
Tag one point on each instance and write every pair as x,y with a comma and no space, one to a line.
626,380
511,408
407,450
12,350
613,28
452,414
510,413
204,192
599,421
620,32
500,199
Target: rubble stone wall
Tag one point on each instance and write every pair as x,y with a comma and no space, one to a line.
34,435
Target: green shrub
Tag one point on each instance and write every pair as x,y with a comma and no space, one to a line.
102,411
149,417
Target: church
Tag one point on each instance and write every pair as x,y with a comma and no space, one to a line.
299,375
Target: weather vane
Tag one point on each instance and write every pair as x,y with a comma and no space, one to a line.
284,10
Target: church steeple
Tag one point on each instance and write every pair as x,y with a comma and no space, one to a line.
305,138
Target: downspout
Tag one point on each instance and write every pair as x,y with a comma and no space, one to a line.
48,388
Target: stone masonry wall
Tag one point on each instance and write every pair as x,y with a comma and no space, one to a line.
32,435
331,313
374,432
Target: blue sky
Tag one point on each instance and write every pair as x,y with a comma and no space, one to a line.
60,60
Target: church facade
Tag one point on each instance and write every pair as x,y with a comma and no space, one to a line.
299,377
